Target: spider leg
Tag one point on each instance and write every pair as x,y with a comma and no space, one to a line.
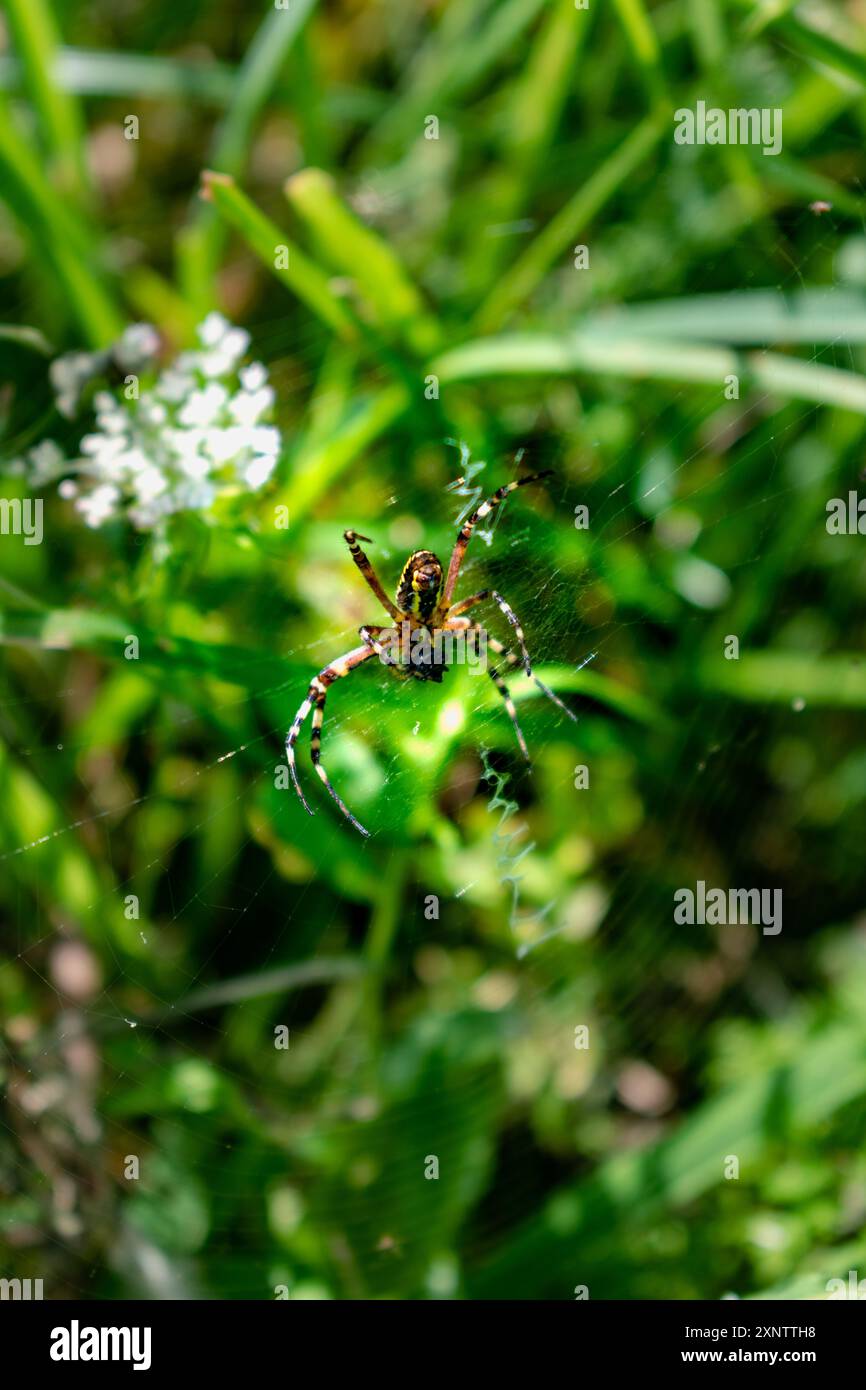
316,696
370,636
509,705
510,614
511,660
504,608
469,526
369,573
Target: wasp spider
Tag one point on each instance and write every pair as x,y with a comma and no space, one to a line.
423,602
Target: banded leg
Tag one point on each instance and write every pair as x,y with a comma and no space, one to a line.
510,614
508,702
469,526
316,696
511,659
352,538
464,625
505,609
371,635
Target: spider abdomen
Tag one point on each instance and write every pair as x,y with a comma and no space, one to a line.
420,585
428,660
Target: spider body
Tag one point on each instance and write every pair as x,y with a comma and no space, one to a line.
423,610
420,587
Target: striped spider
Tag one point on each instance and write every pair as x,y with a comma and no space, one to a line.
423,602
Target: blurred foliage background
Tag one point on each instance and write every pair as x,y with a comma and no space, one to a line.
431,169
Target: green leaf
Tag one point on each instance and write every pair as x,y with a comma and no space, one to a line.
593,1217
536,354
69,629
742,316
782,677
441,1096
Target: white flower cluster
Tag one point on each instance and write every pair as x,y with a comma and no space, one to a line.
196,435
135,351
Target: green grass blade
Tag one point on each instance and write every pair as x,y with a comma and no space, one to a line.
35,36
539,355
798,178
536,102
541,91
822,48
78,629
644,44
39,853
356,251
254,82
708,32
317,465
157,77
469,39
829,682
106,73
25,337
301,275
508,20
202,239
64,241
264,983
763,14
526,274
566,681
743,316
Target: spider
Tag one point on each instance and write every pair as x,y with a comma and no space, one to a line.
423,601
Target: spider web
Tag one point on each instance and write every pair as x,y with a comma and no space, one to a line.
255,890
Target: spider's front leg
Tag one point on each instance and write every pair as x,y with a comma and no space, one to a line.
352,538
315,700
465,532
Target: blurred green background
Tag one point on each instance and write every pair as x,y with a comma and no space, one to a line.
432,169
